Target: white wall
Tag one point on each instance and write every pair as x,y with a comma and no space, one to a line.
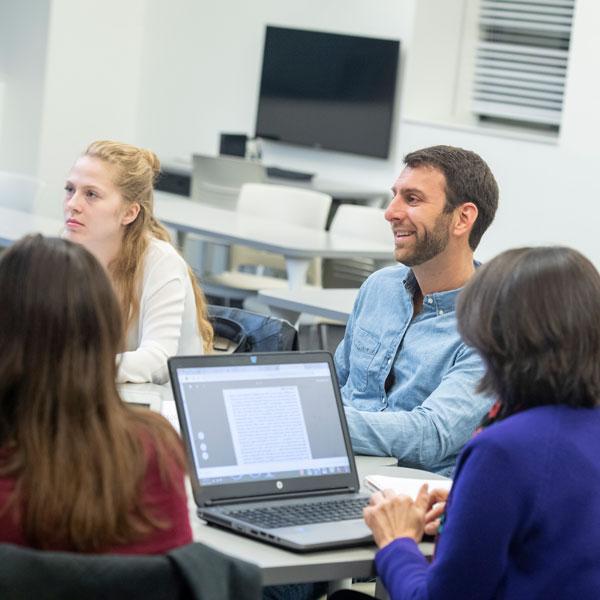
205,79
172,75
550,192
202,65
92,83
432,73
581,114
23,31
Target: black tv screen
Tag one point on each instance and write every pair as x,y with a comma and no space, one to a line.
327,90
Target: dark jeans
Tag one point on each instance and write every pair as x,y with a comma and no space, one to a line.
296,591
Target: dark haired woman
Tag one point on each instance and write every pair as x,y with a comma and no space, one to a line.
523,516
79,469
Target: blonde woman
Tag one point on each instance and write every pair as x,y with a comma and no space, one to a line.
108,208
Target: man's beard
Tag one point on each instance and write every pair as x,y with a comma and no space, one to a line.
430,245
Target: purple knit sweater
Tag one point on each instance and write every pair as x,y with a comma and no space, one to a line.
523,518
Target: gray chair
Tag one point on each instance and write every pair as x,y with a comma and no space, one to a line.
192,572
217,180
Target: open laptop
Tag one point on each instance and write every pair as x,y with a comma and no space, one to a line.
269,447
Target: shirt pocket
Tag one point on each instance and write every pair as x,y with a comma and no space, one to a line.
364,349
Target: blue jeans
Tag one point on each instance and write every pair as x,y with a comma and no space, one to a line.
295,591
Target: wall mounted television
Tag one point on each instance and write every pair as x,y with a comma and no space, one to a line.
327,90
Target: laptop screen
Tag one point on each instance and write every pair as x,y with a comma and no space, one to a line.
255,422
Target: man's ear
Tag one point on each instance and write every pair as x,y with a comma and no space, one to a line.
131,213
464,218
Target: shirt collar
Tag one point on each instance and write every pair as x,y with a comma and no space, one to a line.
440,302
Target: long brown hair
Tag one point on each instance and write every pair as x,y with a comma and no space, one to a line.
532,314
76,451
135,172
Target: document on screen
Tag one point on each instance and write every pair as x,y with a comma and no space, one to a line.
267,425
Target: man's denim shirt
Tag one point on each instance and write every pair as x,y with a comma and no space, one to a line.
431,408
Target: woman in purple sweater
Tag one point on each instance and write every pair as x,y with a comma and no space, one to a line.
523,517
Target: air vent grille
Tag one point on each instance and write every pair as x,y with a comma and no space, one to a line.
521,60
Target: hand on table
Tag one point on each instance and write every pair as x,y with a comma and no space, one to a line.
437,506
391,516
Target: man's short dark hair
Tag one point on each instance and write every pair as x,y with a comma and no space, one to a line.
532,314
468,179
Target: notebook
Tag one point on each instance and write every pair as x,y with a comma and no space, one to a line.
269,447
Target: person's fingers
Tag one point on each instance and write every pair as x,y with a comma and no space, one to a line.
432,527
389,493
370,516
438,495
437,510
422,499
376,498
377,523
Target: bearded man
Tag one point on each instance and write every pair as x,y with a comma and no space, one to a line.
408,381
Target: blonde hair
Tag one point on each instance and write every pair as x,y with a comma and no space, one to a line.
135,173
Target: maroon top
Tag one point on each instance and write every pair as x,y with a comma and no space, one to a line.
166,500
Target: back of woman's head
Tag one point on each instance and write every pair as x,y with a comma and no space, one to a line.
59,332
533,315
75,450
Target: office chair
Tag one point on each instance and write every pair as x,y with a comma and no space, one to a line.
192,572
280,204
366,222
18,191
217,180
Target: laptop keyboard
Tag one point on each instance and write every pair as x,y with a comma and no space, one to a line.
289,515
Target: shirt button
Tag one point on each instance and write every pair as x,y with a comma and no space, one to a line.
429,300
440,312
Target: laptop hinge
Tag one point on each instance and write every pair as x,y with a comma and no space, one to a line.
287,496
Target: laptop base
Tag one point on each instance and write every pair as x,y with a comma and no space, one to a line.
302,538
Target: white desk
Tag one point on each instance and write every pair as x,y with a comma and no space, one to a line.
147,394
298,244
280,566
14,224
331,303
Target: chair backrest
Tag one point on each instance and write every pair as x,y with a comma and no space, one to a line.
366,222
191,572
252,332
284,204
217,180
19,191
